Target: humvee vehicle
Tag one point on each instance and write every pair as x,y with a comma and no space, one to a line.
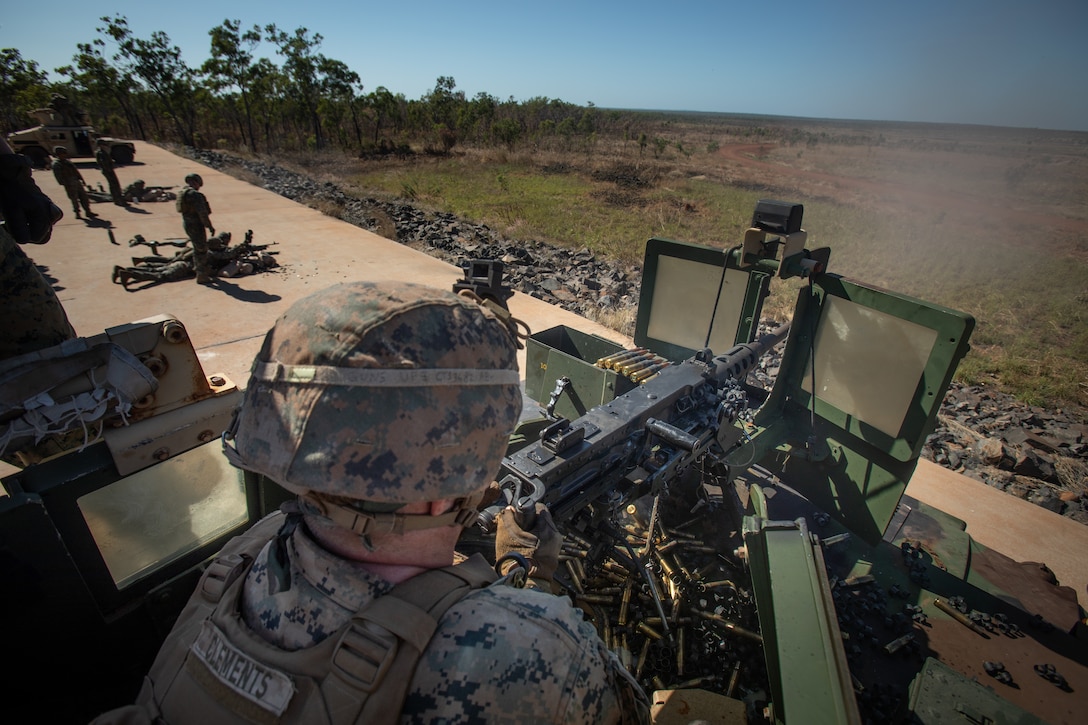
71,130
748,553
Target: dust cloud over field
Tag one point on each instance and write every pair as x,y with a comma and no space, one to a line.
992,221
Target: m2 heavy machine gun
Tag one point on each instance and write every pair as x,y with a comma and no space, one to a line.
749,553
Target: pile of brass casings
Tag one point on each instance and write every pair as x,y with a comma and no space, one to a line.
678,611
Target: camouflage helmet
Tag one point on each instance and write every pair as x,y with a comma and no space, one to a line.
190,178
380,392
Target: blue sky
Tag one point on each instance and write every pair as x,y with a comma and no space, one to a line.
995,62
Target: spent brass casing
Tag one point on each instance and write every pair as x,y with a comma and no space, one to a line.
680,651
723,584
642,658
575,580
898,643
731,626
666,565
648,631
596,598
614,577
959,617
682,621
625,602
606,630
668,545
733,680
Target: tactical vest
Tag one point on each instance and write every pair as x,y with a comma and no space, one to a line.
213,668
182,204
188,203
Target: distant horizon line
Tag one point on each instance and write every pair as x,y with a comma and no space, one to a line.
832,119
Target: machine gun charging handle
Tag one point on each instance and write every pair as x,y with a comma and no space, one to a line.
513,494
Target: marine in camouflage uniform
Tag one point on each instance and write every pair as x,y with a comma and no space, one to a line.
68,176
105,163
139,191
226,261
387,409
33,316
195,218
168,270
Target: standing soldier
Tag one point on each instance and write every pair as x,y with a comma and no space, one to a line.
105,162
68,176
195,218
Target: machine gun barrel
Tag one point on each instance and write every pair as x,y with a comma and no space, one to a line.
736,363
641,439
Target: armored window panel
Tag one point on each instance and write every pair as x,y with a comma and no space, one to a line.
694,297
868,363
158,515
883,362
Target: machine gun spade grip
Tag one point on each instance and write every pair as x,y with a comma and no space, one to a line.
514,493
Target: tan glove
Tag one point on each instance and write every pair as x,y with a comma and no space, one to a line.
540,545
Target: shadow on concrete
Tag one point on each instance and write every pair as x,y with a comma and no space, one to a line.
49,277
244,295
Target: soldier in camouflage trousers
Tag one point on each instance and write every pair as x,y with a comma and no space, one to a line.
105,163
195,218
387,409
68,176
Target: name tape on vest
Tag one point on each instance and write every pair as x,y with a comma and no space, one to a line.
267,688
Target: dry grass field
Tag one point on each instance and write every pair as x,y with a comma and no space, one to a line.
992,221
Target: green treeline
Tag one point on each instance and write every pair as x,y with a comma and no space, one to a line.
142,88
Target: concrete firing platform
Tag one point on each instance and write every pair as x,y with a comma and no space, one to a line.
227,322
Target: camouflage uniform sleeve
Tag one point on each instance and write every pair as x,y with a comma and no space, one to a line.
205,210
515,655
35,318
